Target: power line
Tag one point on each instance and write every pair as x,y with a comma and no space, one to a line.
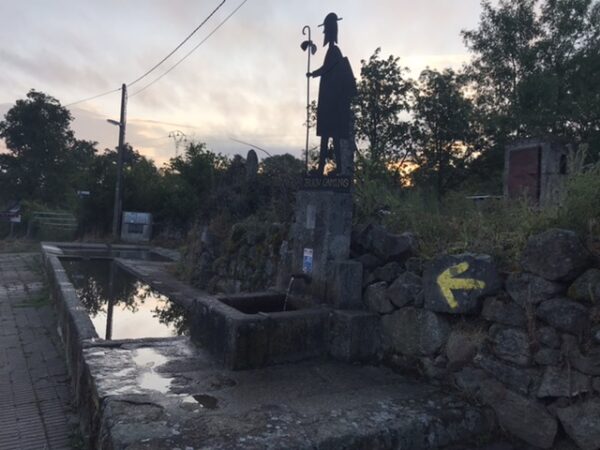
93,98
192,51
178,47
87,99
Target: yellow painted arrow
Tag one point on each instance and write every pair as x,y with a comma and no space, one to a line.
447,281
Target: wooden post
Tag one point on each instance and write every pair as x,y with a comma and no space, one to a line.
116,226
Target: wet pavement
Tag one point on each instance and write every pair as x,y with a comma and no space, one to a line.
35,401
169,394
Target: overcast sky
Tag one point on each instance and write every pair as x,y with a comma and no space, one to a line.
246,82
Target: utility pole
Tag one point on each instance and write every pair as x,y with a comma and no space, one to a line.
116,226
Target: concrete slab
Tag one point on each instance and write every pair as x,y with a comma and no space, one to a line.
169,394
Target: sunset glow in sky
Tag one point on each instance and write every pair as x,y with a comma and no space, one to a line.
246,82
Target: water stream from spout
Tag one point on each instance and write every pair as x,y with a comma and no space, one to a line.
287,294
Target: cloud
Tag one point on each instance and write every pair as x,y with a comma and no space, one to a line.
246,81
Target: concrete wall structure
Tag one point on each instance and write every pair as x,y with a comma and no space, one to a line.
536,169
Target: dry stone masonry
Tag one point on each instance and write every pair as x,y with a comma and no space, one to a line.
526,344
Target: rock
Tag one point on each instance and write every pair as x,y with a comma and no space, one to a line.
496,310
519,379
388,273
455,284
461,348
420,300
596,384
360,240
588,364
512,345
440,361
556,255
547,357
564,314
586,288
388,246
582,424
548,337
469,379
520,416
405,289
565,444
415,265
412,331
596,334
368,279
369,261
561,402
376,300
527,289
431,370
563,383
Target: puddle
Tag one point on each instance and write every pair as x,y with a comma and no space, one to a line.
147,359
120,306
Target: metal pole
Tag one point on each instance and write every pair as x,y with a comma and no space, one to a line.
304,30
116,226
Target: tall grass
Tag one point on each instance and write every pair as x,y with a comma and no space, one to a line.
498,227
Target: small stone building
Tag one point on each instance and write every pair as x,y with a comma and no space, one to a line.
136,226
536,169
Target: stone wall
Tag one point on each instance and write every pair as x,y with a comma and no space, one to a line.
525,343
245,261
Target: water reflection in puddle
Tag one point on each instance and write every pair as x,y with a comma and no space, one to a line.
119,305
147,359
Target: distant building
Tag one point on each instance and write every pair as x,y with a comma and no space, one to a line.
536,169
136,226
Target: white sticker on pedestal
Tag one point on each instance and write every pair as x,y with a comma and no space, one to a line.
307,260
311,217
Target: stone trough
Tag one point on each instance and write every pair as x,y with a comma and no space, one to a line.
253,330
168,392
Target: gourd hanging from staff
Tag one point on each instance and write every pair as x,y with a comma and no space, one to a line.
337,87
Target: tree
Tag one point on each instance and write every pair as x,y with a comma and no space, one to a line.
142,187
505,55
381,99
534,73
38,136
188,182
442,131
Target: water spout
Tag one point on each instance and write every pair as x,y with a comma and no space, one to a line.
303,276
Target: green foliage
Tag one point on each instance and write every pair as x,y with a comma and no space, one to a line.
581,209
534,71
382,96
443,134
141,188
39,139
457,224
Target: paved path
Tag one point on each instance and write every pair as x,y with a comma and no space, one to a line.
35,410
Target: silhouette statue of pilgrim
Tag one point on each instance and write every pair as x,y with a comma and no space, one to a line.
336,89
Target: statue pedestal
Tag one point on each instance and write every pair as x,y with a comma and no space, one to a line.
320,243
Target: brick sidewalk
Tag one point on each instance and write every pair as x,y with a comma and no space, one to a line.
35,409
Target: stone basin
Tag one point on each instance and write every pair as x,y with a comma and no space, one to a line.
247,331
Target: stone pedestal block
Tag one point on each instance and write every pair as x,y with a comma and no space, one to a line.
354,335
321,239
344,288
